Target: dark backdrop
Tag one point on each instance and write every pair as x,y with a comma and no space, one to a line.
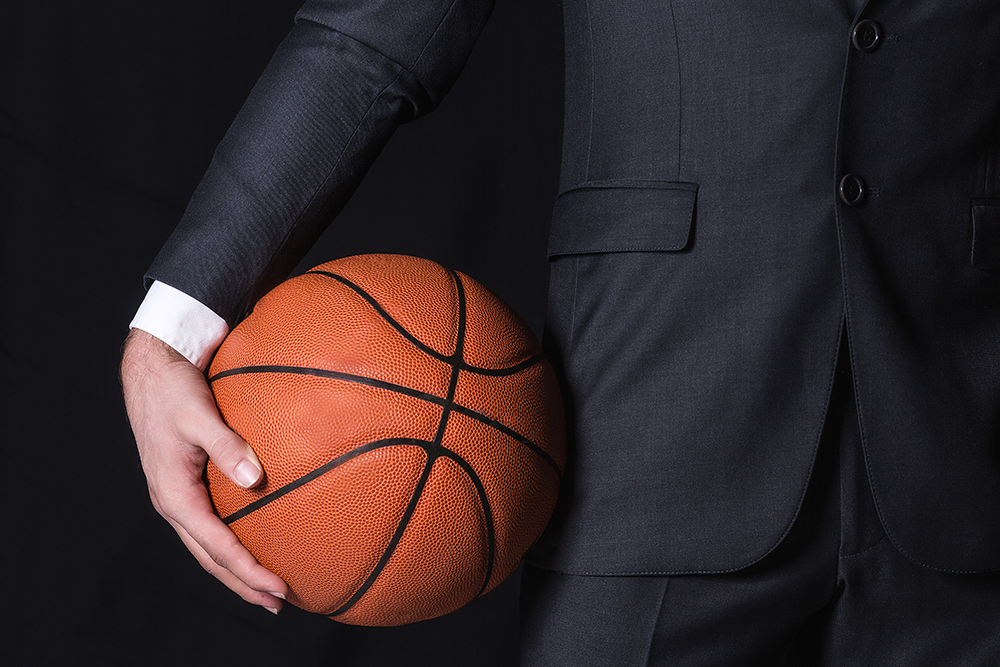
109,113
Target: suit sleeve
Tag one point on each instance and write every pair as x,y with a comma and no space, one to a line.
347,75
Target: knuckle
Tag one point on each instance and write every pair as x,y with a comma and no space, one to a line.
161,510
233,552
211,567
225,555
166,504
224,447
158,504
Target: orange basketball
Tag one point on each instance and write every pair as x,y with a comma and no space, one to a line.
411,433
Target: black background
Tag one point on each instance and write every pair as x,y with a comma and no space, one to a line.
109,113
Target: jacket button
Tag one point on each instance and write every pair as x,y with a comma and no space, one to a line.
867,35
852,190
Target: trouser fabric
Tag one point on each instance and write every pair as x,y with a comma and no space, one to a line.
834,592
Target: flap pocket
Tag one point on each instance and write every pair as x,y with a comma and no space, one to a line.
623,216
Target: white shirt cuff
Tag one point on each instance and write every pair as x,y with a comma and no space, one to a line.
183,323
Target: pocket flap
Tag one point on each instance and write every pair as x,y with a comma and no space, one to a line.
623,217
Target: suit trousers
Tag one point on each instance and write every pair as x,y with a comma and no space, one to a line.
835,591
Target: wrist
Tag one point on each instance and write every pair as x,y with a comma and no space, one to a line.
181,322
141,345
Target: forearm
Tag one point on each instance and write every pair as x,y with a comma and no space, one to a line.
333,94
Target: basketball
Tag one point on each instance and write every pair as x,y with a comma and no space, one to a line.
411,434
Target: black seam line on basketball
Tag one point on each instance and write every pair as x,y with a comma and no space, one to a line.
318,472
487,514
511,433
396,537
499,372
333,375
399,389
383,314
456,362
432,453
460,337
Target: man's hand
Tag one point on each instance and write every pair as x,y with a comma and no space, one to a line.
177,428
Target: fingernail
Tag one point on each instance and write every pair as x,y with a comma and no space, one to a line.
277,595
273,610
247,474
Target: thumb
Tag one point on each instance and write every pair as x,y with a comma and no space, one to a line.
205,429
231,454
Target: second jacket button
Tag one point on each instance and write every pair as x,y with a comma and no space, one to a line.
867,35
852,190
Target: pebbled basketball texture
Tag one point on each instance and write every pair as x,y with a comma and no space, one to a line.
410,430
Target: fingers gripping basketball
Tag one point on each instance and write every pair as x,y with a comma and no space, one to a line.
411,433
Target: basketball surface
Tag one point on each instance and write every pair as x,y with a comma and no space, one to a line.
411,434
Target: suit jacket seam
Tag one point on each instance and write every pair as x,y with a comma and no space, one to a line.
680,89
399,66
593,86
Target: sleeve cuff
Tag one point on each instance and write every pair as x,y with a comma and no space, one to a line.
181,322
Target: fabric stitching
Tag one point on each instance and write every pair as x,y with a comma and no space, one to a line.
864,551
593,87
680,89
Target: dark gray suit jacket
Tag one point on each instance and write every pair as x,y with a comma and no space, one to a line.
704,264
